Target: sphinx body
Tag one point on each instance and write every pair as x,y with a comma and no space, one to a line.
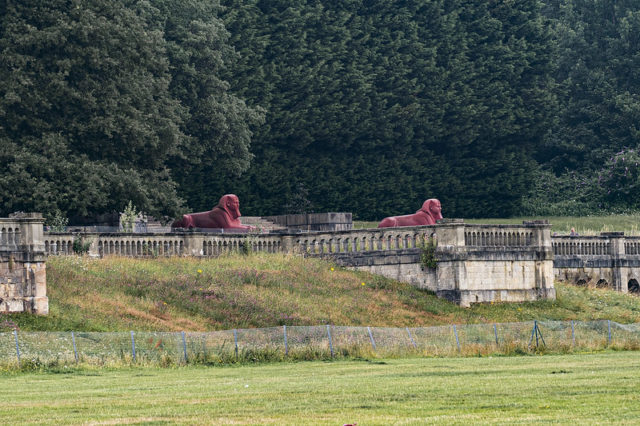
430,212
225,215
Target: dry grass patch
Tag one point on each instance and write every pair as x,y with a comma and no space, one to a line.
267,290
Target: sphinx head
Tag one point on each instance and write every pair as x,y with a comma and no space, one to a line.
432,208
231,204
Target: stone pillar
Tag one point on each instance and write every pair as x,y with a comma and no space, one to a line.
287,244
24,280
94,250
544,275
450,233
618,258
193,244
451,273
541,234
31,232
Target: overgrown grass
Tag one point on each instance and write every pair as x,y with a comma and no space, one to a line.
584,225
578,389
266,290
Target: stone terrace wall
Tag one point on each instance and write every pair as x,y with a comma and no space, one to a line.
23,278
213,244
476,263
608,260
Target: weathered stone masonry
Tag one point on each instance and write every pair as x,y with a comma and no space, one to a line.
23,277
475,263
608,260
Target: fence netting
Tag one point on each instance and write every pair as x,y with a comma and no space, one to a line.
310,342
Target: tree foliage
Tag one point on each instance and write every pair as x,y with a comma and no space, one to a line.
598,61
375,106
494,107
93,113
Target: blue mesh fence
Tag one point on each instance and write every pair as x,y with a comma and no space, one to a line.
310,342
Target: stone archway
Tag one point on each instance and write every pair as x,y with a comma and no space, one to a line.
581,282
633,286
602,284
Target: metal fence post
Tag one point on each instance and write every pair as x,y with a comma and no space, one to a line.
204,347
75,350
495,333
538,334
286,344
455,332
235,339
373,343
330,342
609,331
133,347
411,338
15,333
184,347
533,330
573,334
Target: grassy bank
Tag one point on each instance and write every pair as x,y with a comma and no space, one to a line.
577,389
584,225
265,290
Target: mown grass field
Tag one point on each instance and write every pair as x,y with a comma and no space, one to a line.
266,290
584,225
577,389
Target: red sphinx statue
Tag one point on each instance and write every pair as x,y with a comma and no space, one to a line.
224,215
427,215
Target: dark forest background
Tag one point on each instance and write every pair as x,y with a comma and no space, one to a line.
497,108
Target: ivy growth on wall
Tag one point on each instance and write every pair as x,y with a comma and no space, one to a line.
428,253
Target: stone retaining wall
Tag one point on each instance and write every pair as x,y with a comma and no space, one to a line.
23,277
608,260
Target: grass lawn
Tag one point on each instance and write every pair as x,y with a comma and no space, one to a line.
569,389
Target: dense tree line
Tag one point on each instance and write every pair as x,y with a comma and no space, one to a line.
370,106
585,158
100,101
374,106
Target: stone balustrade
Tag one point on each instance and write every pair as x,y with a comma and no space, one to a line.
483,237
490,236
208,244
581,246
606,260
9,234
363,240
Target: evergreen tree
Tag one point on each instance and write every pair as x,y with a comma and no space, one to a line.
375,106
598,60
100,99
